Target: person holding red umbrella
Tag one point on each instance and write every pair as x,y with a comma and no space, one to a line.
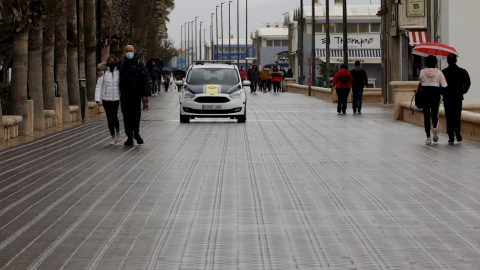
433,82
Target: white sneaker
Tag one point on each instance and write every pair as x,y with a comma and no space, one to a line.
119,137
428,141
113,141
435,135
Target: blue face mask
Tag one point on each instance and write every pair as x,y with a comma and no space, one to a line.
129,55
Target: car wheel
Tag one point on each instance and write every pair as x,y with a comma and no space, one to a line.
184,119
242,118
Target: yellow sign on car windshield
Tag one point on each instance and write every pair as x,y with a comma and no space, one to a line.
212,89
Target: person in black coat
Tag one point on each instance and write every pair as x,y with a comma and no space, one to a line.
360,80
134,89
458,84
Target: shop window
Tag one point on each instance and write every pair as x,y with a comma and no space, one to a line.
375,28
269,43
339,28
352,28
277,43
319,28
364,27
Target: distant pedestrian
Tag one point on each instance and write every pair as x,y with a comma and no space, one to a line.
254,79
458,84
360,80
342,82
134,89
264,79
166,82
155,73
433,82
243,74
108,92
276,80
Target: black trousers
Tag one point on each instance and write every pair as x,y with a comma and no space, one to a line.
430,111
131,111
453,114
342,99
111,109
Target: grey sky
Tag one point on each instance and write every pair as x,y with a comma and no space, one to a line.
258,10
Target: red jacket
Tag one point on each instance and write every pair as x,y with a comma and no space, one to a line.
337,79
243,74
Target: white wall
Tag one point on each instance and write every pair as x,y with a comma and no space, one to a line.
460,28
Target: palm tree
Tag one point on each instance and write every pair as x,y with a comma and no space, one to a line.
72,56
52,10
61,61
90,46
35,45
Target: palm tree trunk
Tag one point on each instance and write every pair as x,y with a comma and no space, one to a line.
48,83
35,42
81,41
61,63
90,47
72,56
19,79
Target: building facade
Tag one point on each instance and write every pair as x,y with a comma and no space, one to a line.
363,40
410,22
270,44
233,49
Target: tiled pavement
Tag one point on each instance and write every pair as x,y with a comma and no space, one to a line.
295,187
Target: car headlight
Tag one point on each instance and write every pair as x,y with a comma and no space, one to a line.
237,94
188,94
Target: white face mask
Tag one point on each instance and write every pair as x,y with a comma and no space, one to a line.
129,55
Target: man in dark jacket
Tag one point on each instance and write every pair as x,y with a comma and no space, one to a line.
458,84
155,73
360,80
133,88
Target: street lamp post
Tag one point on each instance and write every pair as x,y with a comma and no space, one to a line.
313,45
300,47
221,13
216,45
188,44
181,41
196,51
246,35
200,41
211,35
345,43
327,47
238,33
229,35
193,42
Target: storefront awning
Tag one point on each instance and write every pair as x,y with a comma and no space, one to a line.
417,37
367,56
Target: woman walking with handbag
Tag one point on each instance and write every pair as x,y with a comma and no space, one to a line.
433,83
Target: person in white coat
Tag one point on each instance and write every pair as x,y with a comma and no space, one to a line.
108,92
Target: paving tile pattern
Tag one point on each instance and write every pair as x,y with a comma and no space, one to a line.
295,187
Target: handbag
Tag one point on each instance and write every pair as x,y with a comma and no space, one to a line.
419,97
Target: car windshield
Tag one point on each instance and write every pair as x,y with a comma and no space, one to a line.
225,76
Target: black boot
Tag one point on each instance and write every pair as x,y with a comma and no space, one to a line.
128,142
138,138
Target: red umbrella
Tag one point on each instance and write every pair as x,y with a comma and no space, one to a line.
441,51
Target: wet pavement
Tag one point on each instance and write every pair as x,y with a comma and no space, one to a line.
295,187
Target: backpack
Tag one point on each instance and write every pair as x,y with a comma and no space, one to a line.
344,78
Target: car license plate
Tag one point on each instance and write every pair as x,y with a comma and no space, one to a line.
211,107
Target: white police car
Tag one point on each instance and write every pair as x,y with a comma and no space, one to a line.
213,89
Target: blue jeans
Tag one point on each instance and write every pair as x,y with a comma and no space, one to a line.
155,85
357,99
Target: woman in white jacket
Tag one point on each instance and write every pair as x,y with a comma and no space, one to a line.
108,91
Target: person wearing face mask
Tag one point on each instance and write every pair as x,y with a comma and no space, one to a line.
134,88
107,92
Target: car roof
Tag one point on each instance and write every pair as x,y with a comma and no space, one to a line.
211,65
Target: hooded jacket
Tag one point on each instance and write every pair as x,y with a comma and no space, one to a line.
108,86
360,78
337,79
432,77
